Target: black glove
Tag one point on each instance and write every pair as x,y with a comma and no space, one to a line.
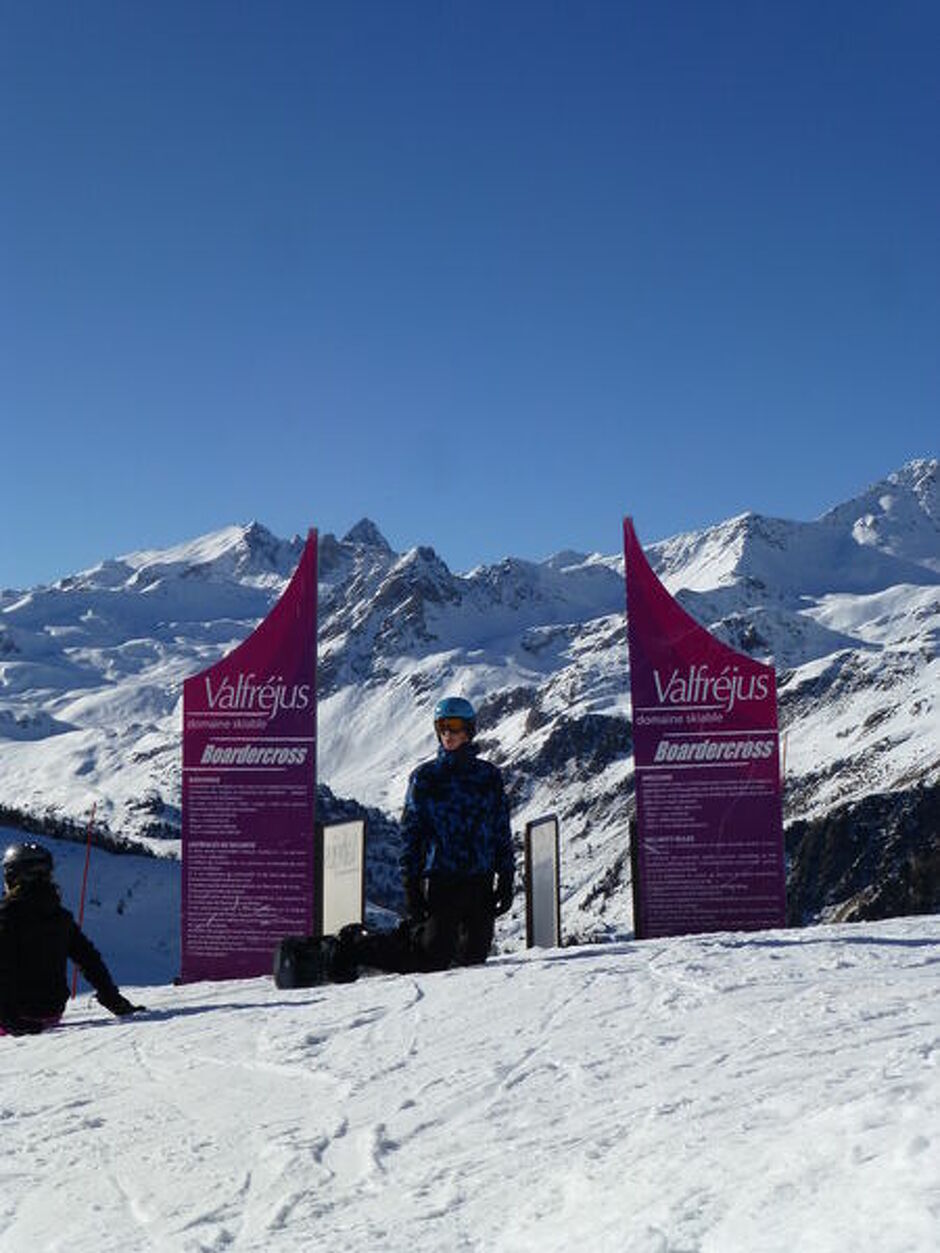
416,905
21,1026
502,901
119,1005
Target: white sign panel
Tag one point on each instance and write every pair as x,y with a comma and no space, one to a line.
543,913
344,860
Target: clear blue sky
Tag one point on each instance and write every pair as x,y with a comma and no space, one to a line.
492,273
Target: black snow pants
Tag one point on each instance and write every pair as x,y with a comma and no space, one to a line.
458,930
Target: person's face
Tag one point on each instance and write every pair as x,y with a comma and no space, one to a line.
452,732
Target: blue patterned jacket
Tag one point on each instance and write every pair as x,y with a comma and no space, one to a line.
456,819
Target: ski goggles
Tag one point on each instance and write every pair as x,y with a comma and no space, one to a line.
449,724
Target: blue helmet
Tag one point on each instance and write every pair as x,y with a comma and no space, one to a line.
457,707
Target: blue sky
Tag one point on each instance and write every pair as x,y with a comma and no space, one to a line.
493,274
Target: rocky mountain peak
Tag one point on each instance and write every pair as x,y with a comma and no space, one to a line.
368,535
900,515
262,552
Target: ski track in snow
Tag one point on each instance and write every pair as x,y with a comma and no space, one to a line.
760,1093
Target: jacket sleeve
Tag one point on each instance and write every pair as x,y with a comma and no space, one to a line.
6,969
505,856
91,964
413,830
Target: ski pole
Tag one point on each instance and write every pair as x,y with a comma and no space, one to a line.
81,899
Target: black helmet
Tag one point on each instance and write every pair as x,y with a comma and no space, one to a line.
23,863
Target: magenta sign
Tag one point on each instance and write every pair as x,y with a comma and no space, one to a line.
249,787
709,852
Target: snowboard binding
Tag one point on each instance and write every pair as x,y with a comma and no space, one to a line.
302,961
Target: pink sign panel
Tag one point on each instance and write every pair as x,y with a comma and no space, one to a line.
249,788
709,851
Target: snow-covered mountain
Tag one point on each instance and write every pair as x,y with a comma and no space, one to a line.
847,608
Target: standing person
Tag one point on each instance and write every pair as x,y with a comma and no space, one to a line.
456,840
457,866
37,936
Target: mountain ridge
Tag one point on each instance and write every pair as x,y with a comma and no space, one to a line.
91,667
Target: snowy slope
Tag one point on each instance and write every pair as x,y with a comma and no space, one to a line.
723,1094
847,608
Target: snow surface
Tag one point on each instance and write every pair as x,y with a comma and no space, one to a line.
760,1093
